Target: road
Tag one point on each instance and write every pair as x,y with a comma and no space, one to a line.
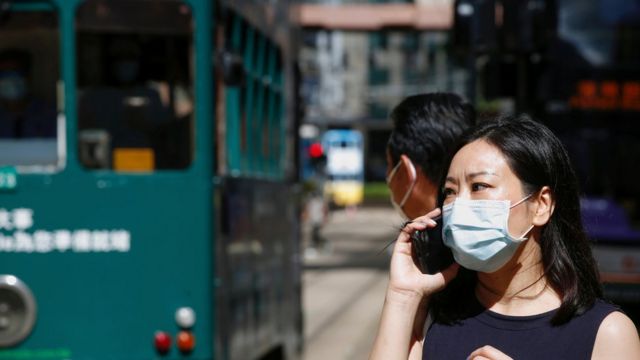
344,284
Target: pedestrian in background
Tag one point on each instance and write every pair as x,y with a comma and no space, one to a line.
426,128
22,113
525,284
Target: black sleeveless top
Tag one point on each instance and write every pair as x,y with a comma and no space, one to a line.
520,337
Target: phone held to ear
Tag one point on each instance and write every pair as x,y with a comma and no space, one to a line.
430,253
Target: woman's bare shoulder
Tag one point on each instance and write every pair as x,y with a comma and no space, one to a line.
617,338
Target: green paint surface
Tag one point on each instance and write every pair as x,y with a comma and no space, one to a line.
8,178
35,354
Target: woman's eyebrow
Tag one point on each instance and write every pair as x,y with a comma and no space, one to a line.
451,179
481,173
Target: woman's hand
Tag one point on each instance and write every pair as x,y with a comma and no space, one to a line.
488,353
404,309
406,279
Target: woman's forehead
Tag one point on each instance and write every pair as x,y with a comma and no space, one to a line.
478,157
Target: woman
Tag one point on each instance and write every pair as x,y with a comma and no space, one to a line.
525,284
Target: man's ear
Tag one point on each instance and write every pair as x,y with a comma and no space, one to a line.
545,204
409,171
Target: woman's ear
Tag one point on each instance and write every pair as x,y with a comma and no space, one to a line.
545,205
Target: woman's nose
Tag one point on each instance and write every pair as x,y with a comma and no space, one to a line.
463,194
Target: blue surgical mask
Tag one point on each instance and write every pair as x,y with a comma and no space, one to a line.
477,233
405,197
12,86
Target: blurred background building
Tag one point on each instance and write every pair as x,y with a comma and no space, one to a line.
360,58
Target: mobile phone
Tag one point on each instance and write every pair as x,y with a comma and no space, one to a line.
430,253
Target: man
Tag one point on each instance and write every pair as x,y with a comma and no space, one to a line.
123,105
426,128
22,115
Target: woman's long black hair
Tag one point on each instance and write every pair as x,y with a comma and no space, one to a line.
538,158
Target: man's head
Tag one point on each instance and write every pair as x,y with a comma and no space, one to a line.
125,60
426,128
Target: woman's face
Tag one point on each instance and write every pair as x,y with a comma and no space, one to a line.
479,171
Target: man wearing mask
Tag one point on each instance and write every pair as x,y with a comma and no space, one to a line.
123,104
426,128
21,114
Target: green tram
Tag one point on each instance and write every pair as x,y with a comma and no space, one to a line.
147,180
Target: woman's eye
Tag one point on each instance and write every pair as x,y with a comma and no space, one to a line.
478,186
448,192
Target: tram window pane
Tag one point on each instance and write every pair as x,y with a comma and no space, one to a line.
29,63
279,143
266,125
248,114
135,78
254,110
243,122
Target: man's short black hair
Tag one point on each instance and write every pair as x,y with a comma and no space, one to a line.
426,128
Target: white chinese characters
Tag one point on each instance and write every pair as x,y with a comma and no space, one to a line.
15,237
17,219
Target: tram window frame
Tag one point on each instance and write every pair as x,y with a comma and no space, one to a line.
280,117
255,124
164,94
259,125
273,116
41,153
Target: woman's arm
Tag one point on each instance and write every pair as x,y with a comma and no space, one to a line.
395,333
408,288
617,338
419,331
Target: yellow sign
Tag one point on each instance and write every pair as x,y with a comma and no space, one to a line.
133,159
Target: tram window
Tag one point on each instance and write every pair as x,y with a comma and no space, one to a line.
254,109
29,53
135,78
243,121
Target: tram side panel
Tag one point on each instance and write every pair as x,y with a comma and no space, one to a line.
108,268
259,306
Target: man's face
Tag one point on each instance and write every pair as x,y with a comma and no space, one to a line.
126,70
13,83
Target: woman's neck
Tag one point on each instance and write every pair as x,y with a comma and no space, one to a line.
519,288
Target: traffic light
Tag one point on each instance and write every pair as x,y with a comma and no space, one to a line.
317,157
316,152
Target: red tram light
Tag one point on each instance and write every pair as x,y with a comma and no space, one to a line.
162,341
186,341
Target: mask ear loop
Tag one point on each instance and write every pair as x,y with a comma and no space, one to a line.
393,172
521,201
521,238
414,176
